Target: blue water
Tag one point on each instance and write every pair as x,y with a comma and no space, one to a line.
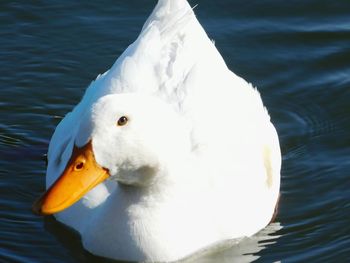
296,52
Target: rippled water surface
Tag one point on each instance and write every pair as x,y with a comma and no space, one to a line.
296,52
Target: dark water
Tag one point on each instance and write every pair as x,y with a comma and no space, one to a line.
296,52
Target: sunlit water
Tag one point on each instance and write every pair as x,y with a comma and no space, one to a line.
296,52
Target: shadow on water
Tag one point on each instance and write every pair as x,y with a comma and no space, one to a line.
70,239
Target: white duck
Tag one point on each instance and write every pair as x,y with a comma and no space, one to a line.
169,151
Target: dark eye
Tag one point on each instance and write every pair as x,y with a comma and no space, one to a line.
122,121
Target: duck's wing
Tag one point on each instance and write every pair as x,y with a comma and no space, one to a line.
68,133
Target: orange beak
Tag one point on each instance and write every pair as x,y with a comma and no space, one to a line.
82,173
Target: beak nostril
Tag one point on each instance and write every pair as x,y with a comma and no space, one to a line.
79,166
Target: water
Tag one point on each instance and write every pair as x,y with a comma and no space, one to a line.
297,53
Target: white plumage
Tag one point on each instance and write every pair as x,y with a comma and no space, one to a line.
199,161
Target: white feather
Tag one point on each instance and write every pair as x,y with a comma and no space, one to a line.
203,132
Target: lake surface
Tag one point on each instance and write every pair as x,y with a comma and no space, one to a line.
296,52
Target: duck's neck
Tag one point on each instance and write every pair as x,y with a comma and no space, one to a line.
171,182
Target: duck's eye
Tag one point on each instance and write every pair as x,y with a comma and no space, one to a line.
122,121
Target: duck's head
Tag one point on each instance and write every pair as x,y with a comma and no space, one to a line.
124,137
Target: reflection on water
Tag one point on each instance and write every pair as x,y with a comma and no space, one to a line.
246,249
